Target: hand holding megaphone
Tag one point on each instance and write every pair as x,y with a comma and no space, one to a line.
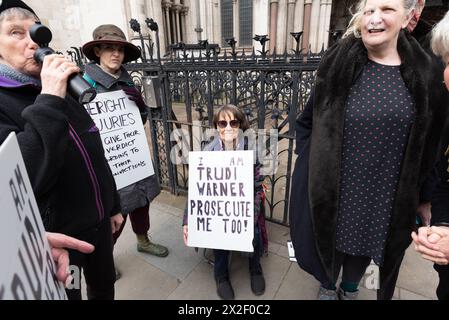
77,86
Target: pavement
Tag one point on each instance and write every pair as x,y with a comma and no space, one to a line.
188,275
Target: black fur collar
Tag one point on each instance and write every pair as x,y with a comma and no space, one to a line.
344,62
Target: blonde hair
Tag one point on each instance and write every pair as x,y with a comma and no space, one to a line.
440,38
354,26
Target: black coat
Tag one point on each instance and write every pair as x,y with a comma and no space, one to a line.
315,186
64,157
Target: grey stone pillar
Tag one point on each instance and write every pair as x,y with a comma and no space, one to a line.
307,18
274,6
177,12
290,24
166,4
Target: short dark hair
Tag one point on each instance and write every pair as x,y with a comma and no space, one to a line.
236,112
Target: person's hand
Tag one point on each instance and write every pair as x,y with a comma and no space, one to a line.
433,244
56,70
116,222
425,213
59,243
135,96
185,233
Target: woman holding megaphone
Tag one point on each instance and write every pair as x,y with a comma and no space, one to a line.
61,147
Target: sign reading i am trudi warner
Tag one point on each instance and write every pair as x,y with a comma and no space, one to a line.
27,270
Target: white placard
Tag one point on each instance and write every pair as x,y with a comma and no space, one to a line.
27,268
221,200
123,137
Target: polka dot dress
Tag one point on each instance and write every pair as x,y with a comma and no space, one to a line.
379,113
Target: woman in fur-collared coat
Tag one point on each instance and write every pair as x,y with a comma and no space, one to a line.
366,141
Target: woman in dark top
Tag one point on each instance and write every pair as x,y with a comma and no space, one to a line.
61,148
365,141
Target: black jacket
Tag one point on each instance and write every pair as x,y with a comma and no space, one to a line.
64,157
315,188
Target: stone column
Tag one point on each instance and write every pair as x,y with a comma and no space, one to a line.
236,21
314,25
138,10
177,12
298,24
184,12
166,4
290,24
328,17
216,22
174,27
322,32
199,28
274,5
307,18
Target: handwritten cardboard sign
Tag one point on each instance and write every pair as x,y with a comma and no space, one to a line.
221,200
123,136
27,270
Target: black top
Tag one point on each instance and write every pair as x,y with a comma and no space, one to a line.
64,157
379,112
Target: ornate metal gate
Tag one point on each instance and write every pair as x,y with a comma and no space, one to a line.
186,87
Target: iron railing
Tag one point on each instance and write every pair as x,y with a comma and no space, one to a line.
271,89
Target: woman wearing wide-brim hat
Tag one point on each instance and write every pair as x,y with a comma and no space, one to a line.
108,51
110,34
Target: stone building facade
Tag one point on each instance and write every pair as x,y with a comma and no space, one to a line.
189,21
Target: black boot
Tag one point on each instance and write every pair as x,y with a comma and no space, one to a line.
224,288
257,280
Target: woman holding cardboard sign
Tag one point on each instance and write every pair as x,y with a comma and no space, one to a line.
108,51
230,121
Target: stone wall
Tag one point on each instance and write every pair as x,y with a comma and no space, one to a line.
72,21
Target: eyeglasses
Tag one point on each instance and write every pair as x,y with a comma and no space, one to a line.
233,123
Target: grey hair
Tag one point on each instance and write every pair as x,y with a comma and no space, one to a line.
440,38
17,12
354,26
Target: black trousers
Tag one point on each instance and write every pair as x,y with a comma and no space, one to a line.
221,262
98,266
443,285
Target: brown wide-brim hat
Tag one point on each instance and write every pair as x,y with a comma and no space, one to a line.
110,34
